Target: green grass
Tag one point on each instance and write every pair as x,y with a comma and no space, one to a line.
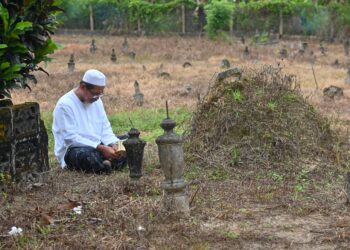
147,121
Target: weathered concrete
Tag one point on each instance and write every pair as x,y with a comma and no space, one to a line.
23,142
172,163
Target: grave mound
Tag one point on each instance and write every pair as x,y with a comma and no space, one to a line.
259,119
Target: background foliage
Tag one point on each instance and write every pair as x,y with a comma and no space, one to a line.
25,29
308,17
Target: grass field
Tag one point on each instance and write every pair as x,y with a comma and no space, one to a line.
230,208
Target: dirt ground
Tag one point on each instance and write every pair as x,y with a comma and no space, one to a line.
230,208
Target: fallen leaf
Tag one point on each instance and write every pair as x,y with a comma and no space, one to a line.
69,206
46,219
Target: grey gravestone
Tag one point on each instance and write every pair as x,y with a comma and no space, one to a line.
242,40
305,45
113,56
228,73
284,53
125,45
336,63
93,47
172,163
322,49
164,75
346,46
246,52
184,91
333,91
71,64
23,142
225,64
132,55
186,65
347,79
138,96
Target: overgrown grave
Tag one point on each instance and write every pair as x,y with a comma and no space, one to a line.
259,120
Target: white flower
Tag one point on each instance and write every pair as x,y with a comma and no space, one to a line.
15,231
141,228
78,209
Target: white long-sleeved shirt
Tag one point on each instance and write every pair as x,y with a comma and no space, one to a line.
78,123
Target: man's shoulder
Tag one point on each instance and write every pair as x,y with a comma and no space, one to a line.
66,98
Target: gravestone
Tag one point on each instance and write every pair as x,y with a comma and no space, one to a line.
336,63
113,56
242,40
332,92
305,45
322,49
93,47
138,96
125,45
132,55
186,65
71,64
225,64
171,159
347,79
23,142
164,75
346,46
284,53
301,51
246,52
228,73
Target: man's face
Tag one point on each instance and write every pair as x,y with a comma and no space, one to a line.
92,95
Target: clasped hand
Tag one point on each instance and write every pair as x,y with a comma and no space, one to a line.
110,152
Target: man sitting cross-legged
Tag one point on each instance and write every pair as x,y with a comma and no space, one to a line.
84,139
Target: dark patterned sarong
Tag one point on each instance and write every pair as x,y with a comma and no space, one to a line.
88,159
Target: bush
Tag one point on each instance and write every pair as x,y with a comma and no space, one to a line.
25,41
219,17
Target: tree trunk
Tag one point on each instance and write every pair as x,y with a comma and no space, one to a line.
91,18
183,11
281,24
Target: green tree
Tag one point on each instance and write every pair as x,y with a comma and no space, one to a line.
25,29
219,17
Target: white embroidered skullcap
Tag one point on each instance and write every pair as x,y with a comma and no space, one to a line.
95,77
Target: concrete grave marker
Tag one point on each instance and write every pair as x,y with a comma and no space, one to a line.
225,64
138,96
93,47
113,56
71,64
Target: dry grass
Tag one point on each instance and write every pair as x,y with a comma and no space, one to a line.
230,208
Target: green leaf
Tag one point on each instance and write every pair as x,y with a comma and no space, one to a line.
22,26
48,48
4,65
4,14
3,46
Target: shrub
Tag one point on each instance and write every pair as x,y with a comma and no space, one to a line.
219,17
25,41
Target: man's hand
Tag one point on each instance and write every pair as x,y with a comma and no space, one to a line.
115,147
107,151
120,153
